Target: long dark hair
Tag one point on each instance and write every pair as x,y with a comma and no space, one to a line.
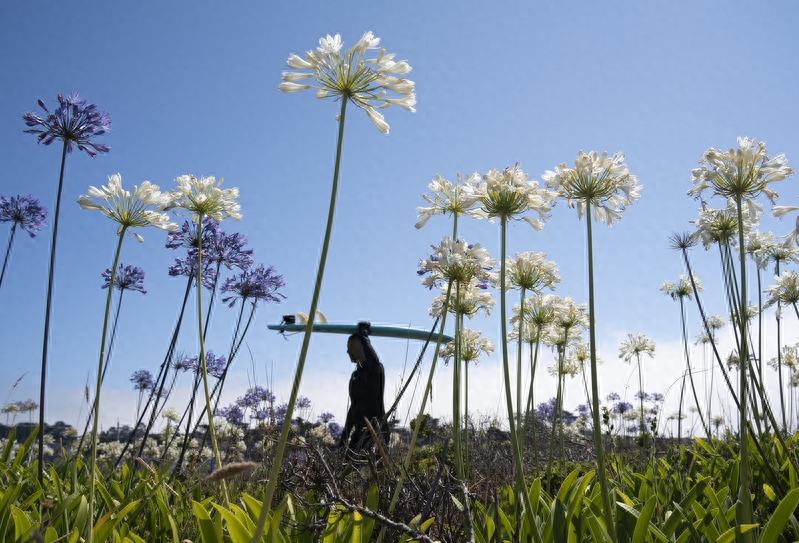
372,360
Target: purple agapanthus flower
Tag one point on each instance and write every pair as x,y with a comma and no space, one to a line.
73,121
186,237
326,417
127,278
335,430
228,250
657,397
232,414
214,366
188,267
255,284
183,364
613,396
641,395
24,211
255,396
302,402
142,380
621,408
280,414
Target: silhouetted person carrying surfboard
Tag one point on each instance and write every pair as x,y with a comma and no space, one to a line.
367,385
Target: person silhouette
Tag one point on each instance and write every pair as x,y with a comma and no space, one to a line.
366,388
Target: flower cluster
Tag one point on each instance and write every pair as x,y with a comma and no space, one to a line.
448,199
785,290
130,209
470,344
73,121
683,288
739,174
531,271
456,261
214,366
142,380
635,346
203,198
254,284
600,181
127,278
24,211
465,299
369,83
509,194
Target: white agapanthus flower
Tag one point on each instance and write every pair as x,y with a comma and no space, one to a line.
509,194
540,313
601,181
369,83
451,199
636,345
456,261
130,209
531,271
721,225
779,253
785,290
739,174
203,197
467,299
683,288
472,346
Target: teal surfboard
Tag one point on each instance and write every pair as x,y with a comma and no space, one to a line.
401,332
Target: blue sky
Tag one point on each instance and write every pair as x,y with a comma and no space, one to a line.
194,90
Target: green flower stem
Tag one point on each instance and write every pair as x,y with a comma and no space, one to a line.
456,392
744,476
201,331
96,408
530,396
47,311
641,394
600,453
705,426
779,356
465,410
8,251
519,419
521,486
284,434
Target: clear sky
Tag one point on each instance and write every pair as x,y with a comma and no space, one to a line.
192,89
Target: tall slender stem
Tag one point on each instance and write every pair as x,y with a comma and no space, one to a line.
746,516
284,434
600,453
48,306
203,365
100,373
521,486
520,342
456,390
8,251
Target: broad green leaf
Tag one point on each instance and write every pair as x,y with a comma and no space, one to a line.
372,503
642,525
22,524
206,524
236,529
780,517
729,535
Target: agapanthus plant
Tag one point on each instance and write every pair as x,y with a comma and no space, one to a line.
740,176
138,208
510,195
201,198
633,347
24,212
602,187
74,122
368,83
142,380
